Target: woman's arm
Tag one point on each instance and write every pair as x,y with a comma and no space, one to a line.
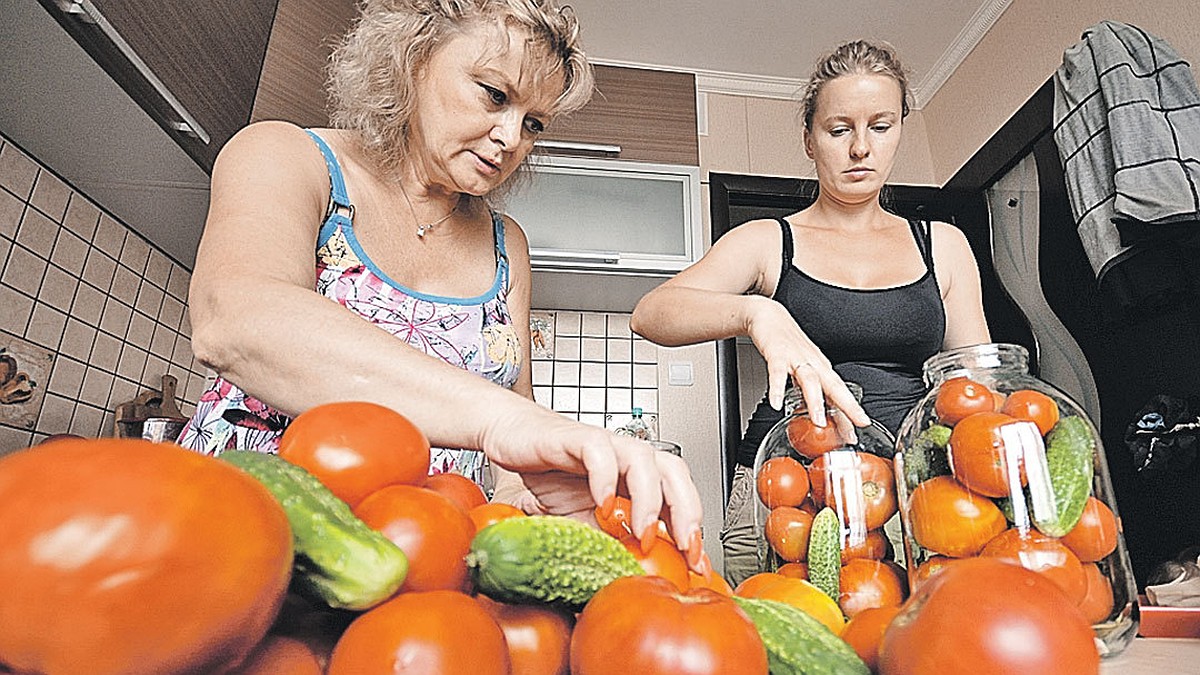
958,274
726,294
257,321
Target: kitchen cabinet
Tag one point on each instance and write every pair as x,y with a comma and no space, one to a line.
292,86
610,215
193,67
650,115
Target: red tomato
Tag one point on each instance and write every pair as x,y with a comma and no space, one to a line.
123,552
644,625
949,519
931,566
1095,535
1032,406
873,545
795,570
959,397
982,448
787,530
436,632
663,560
710,579
1038,553
782,481
984,616
538,638
865,584
811,440
1097,603
355,448
616,523
864,632
460,489
859,486
434,533
493,512
280,654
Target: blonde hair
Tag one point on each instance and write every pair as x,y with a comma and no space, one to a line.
859,57
373,72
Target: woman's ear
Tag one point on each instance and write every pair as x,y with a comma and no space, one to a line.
808,143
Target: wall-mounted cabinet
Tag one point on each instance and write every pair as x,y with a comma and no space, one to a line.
193,67
640,114
610,215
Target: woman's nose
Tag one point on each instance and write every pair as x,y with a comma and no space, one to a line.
859,147
507,131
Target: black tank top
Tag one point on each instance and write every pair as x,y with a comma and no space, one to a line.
876,338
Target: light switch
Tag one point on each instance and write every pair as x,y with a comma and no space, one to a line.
679,374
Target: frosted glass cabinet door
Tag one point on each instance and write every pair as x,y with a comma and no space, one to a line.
609,214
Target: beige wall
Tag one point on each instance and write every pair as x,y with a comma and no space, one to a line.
1021,52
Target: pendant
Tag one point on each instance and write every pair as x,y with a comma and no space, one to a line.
421,227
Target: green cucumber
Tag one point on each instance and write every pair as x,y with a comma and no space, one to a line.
339,560
547,560
798,644
926,457
1070,447
825,552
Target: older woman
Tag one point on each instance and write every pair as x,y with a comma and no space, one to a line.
437,103
842,289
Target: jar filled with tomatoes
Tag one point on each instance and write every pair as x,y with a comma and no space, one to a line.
994,462
824,496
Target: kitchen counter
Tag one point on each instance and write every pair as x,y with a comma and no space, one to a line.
1155,656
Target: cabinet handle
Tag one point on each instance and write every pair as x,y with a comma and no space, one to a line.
574,146
89,13
549,255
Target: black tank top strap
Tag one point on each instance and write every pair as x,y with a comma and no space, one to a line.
788,247
922,231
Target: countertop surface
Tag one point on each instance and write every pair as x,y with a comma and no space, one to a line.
1155,656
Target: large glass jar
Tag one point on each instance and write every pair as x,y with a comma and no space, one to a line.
801,470
996,462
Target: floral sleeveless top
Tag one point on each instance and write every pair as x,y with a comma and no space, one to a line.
475,334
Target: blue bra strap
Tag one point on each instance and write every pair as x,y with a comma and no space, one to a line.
337,185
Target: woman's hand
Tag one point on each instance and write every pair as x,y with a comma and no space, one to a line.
790,353
571,467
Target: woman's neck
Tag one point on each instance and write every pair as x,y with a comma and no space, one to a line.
831,213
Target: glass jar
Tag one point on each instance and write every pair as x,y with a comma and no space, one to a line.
799,470
996,462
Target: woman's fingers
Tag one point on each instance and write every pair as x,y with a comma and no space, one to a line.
683,501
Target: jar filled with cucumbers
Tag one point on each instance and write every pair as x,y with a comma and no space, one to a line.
824,496
994,462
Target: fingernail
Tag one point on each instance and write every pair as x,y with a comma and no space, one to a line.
606,509
695,552
649,538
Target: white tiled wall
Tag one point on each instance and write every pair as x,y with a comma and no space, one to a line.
598,367
112,308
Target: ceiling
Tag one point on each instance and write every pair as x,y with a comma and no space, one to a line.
61,108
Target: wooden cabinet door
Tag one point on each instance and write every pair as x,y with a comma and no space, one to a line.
292,86
205,55
650,114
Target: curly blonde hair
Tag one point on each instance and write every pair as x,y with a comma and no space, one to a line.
859,57
373,72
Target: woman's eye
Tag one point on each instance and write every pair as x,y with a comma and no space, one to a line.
497,97
882,127
838,131
534,126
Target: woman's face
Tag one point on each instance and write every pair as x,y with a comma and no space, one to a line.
855,134
482,99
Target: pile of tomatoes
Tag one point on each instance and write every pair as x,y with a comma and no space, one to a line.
859,486
960,513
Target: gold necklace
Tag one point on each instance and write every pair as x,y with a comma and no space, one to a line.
422,228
